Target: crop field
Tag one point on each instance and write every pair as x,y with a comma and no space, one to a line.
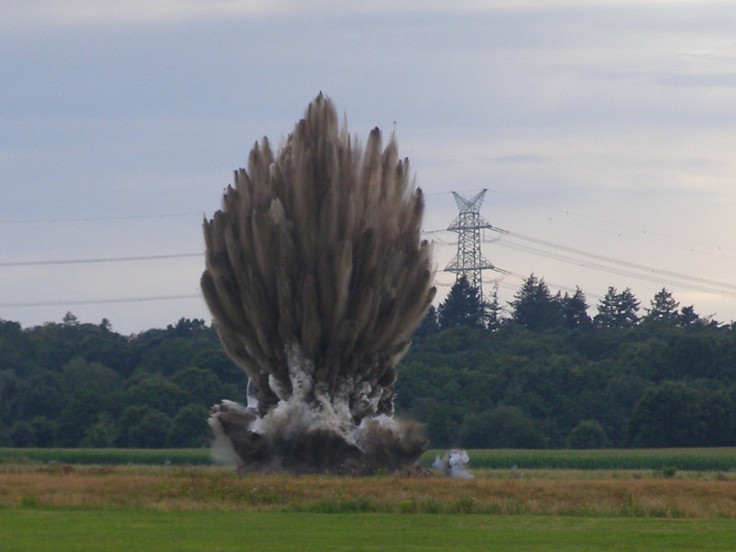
104,456
691,459
168,503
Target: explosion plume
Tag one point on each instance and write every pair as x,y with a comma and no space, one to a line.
316,277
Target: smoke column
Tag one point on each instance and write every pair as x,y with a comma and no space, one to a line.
316,277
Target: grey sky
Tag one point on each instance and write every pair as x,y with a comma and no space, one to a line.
602,127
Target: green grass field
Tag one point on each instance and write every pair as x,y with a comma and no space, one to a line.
32,530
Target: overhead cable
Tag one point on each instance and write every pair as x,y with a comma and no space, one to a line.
58,303
101,260
612,260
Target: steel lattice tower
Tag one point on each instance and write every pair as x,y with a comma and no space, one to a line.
469,260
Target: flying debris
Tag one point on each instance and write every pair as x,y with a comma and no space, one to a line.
316,277
454,463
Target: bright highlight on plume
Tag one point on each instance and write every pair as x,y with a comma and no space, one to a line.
316,277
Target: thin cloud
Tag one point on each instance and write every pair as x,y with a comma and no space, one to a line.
96,12
571,113
18,14
520,158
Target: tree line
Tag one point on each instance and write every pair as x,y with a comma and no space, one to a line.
540,372
83,385
543,372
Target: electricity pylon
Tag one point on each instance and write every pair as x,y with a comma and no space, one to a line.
469,260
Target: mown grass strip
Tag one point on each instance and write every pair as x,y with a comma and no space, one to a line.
125,530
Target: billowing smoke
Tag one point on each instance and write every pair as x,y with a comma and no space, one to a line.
454,464
316,277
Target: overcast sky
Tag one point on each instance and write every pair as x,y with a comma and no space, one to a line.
603,131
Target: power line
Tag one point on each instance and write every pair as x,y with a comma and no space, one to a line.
500,283
77,302
56,220
617,228
685,281
624,268
552,284
612,260
95,260
584,259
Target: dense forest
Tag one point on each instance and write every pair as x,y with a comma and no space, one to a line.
539,372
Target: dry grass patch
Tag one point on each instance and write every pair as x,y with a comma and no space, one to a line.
208,488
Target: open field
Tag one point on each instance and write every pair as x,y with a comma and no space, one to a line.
540,492
30,530
81,507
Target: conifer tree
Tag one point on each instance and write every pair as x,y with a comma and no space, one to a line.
663,307
430,325
534,307
493,311
617,310
463,306
575,310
